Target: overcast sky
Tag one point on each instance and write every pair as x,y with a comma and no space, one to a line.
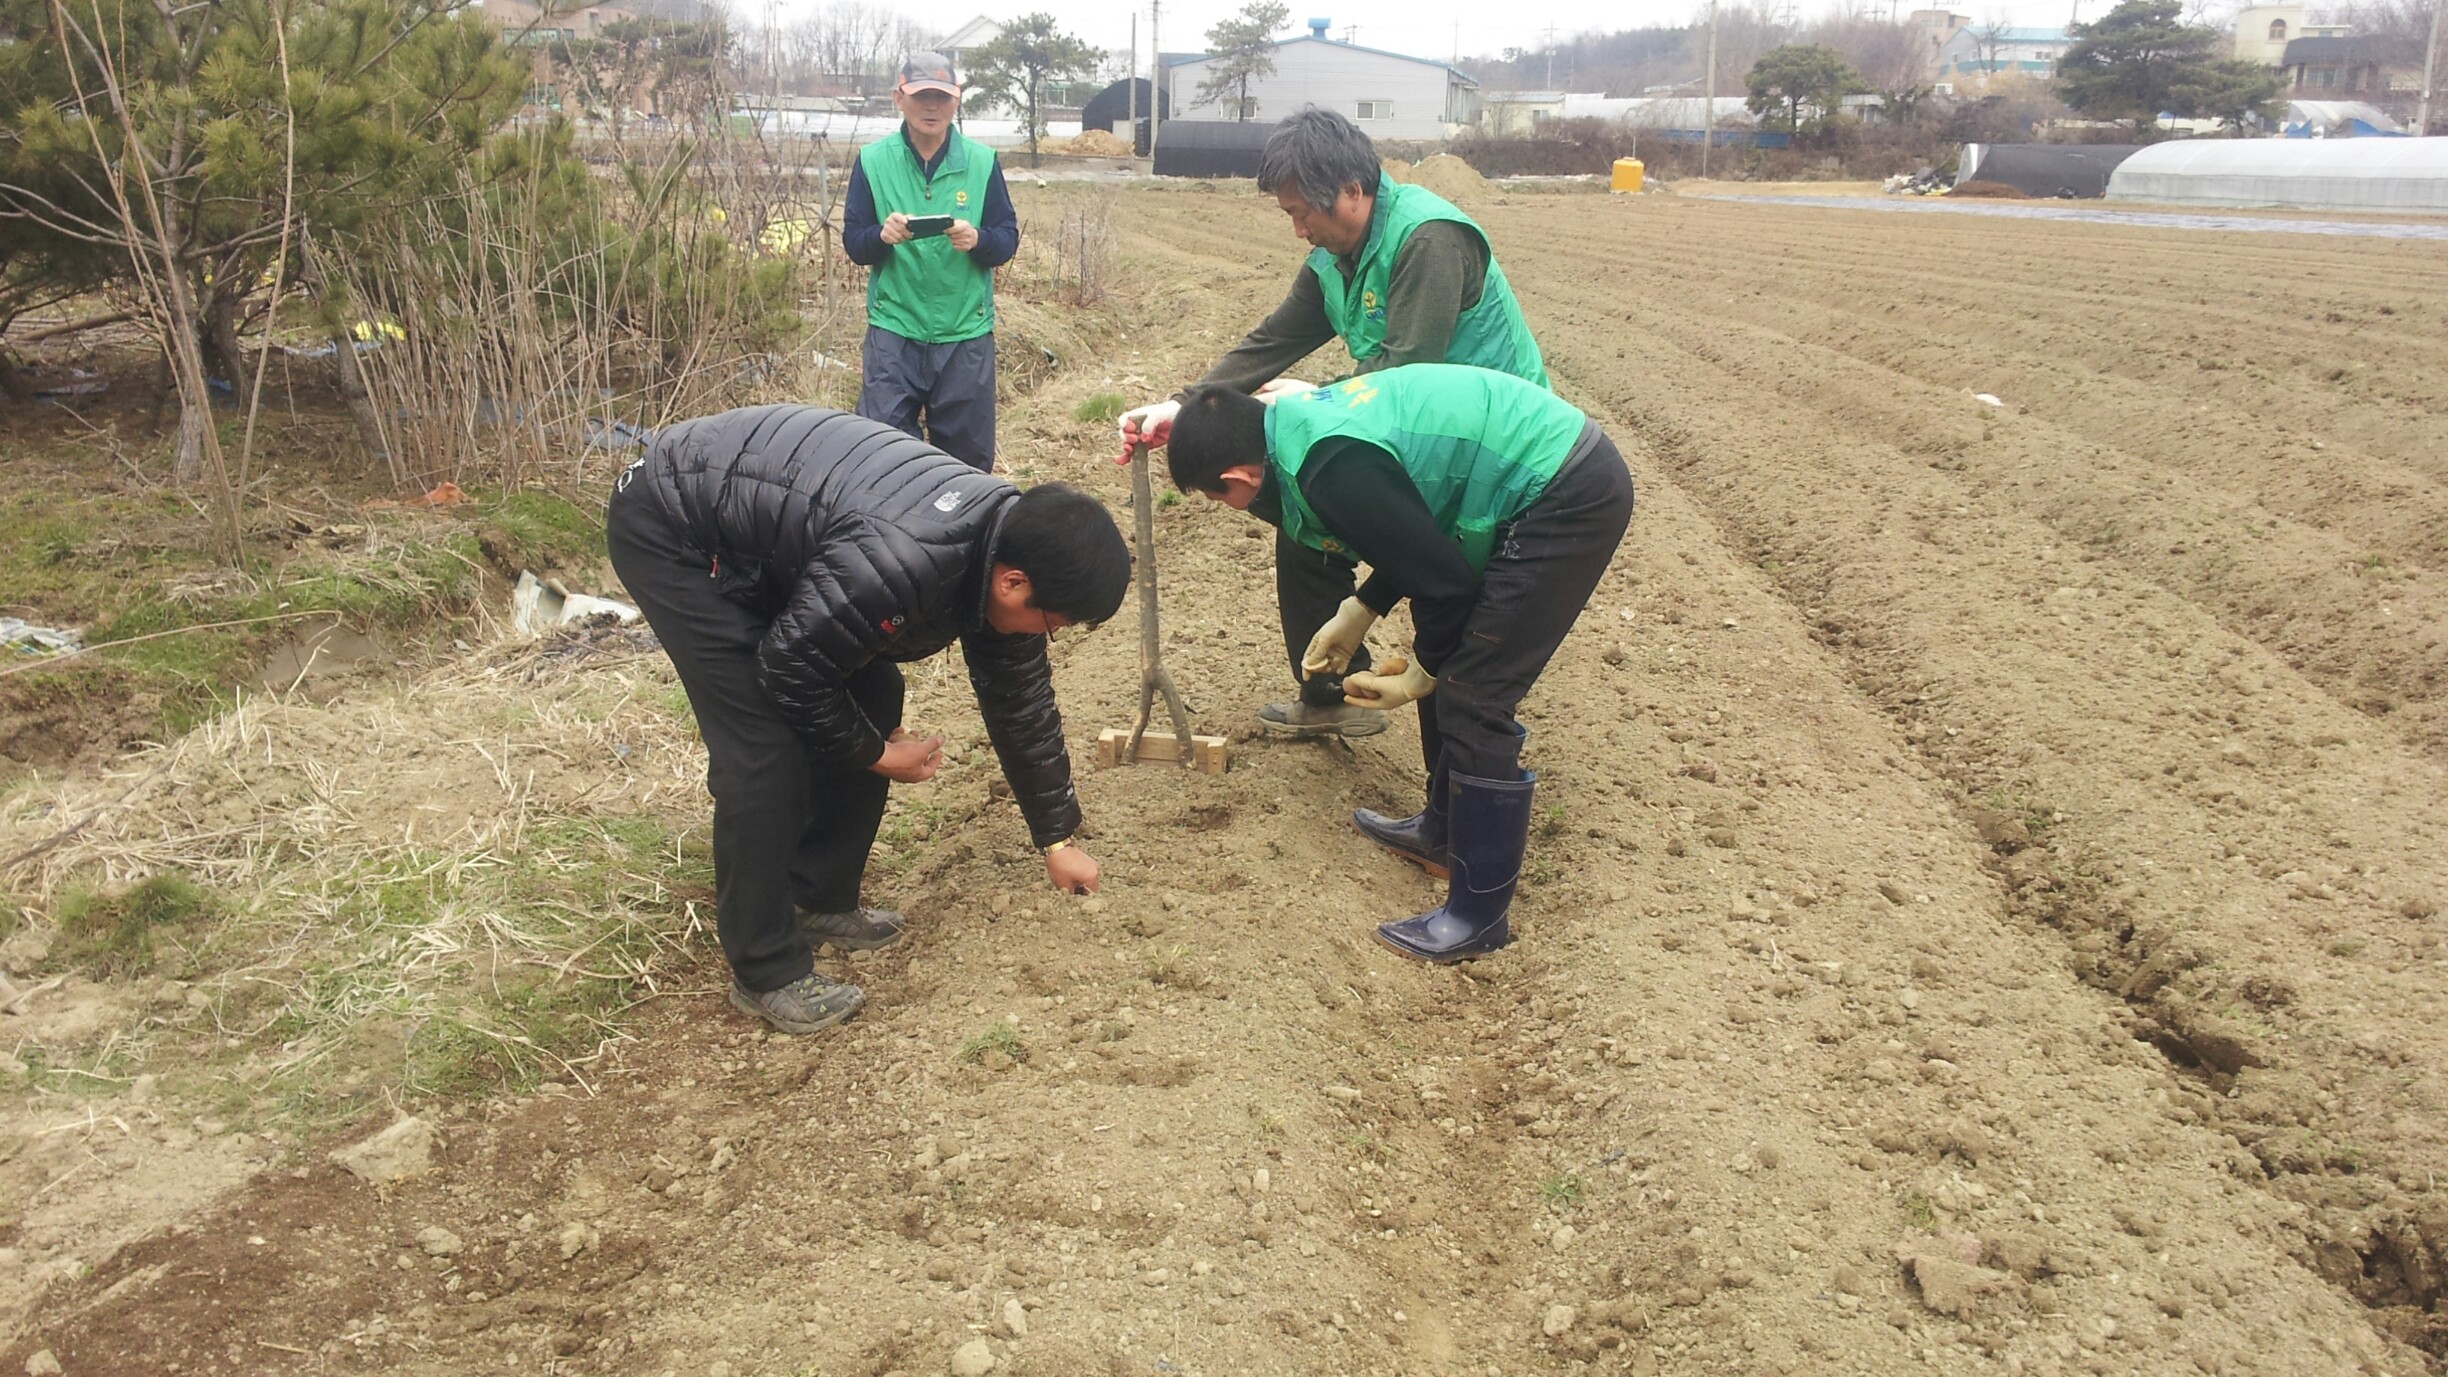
1421,28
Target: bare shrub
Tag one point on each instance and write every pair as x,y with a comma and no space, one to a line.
510,328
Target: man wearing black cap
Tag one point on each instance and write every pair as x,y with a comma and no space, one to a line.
928,215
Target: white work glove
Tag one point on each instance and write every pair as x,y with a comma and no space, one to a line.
1150,425
1335,643
1283,387
1396,682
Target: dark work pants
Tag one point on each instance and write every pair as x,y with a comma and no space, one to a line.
790,831
1542,573
954,384
1310,585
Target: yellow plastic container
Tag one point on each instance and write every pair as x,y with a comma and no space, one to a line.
1627,175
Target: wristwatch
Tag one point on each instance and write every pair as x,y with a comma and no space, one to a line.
1057,846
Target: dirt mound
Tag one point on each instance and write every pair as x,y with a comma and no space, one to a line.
1397,169
1098,143
1990,191
1451,178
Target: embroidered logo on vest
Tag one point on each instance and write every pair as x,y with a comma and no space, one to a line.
949,499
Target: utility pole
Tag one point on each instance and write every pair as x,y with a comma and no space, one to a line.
1156,95
2422,111
1708,103
1133,79
1551,47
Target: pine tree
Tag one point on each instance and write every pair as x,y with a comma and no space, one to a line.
194,143
1015,67
1241,50
2135,62
1801,76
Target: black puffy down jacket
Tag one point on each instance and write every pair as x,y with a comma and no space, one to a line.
857,541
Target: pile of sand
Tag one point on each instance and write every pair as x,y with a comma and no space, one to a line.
1449,177
1397,169
1099,143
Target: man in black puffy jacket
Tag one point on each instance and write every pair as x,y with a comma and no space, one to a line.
789,558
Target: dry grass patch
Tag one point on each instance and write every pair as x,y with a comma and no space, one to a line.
448,885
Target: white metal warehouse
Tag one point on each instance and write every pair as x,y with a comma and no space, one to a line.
2306,174
1387,94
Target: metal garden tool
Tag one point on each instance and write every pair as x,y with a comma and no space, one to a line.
1114,746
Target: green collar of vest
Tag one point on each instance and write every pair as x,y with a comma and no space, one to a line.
955,153
1379,207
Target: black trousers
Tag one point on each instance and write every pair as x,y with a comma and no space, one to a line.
790,831
1542,573
1310,585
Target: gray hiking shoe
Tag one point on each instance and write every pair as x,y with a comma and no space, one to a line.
1302,721
861,929
809,1004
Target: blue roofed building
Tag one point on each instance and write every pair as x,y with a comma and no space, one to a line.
1981,51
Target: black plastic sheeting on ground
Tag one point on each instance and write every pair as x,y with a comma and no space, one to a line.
1210,148
2061,171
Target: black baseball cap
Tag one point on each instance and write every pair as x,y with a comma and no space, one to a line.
928,72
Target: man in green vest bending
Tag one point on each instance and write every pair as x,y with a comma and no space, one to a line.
1491,504
1401,277
926,210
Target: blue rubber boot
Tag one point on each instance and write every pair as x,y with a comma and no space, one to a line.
1488,829
1419,838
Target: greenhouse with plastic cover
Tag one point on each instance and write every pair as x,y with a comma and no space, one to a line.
2306,174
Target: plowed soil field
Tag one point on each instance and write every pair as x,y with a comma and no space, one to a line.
1983,914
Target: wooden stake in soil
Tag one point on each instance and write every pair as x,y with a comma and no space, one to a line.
1207,752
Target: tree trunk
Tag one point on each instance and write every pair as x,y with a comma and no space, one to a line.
13,380
194,422
222,357
164,387
351,381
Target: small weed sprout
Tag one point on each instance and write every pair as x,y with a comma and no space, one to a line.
1561,1191
997,1037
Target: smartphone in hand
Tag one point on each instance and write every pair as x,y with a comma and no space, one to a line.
925,226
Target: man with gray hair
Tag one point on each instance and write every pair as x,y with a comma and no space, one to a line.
1401,276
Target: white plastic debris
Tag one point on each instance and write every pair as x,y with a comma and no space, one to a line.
538,605
1986,399
36,640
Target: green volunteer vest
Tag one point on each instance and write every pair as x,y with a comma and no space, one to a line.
1491,334
1479,445
926,289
